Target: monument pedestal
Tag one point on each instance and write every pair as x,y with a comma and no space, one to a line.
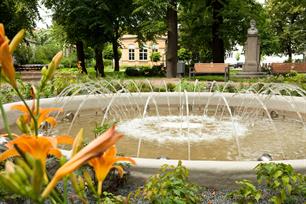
251,68
244,74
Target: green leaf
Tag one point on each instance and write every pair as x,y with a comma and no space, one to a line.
258,196
277,174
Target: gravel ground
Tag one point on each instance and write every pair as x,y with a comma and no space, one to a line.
214,196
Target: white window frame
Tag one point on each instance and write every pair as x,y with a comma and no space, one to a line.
131,50
155,48
143,54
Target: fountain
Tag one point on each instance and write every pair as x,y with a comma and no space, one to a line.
219,135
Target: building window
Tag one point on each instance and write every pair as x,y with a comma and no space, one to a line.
229,55
143,54
154,48
131,52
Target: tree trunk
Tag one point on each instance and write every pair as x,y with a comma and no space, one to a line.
81,55
218,50
289,50
115,50
171,58
99,67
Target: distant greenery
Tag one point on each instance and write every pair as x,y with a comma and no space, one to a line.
69,76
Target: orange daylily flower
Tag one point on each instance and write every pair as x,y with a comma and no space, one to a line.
93,149
43,115
104,163
38,147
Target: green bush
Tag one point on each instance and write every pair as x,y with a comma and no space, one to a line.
70,60
282,185
145,71
282,180
171,185
107,62
292,73
184,55
132,71
247,193
155,56
44,53
23,54
108,52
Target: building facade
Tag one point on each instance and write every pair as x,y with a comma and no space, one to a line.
135,54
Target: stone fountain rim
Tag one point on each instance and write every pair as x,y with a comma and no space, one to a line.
208,172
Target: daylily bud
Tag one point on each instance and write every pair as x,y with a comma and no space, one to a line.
57,59
78,142
89,181
53,65
16,40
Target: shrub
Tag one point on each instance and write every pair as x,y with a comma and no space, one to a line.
108,52
131,71
282,185
155,56
70,60
282,180
107,62
247,193
154,71
145,71
23,54
292,73
171,185
184,55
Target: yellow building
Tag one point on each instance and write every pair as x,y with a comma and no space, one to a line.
134,54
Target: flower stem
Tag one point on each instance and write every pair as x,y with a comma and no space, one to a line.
99,188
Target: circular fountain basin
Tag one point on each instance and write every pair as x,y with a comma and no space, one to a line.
210,173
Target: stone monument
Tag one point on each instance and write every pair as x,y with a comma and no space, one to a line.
251,66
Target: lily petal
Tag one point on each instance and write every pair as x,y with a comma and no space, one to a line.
64,139
6,60
96,147
7,154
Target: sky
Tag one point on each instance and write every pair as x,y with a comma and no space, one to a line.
47,18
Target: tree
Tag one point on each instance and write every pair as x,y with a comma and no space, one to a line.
209,28
68,13
153,18
288,22
18,14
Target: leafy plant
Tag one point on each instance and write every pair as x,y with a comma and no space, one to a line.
282,184
282,179
246,194
99,129
171,185
155,56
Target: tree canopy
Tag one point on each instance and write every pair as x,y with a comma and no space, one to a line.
288,23
18,14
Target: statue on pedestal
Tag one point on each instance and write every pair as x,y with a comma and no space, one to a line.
252,30
252,48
